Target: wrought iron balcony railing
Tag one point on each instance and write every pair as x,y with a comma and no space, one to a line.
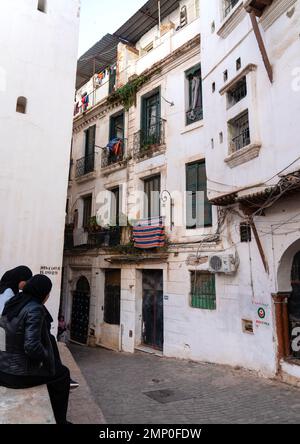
150,139
105,238
113,154
242,140
110,237
193,115
238,93
85,165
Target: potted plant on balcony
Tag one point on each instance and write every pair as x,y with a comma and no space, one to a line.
93,226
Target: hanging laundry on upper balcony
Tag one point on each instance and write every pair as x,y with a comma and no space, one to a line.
85,101
115,147
149,233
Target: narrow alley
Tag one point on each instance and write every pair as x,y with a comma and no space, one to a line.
147,389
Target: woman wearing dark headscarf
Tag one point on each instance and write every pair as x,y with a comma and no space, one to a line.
29,358
12,282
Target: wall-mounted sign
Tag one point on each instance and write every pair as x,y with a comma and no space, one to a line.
50,271
262,314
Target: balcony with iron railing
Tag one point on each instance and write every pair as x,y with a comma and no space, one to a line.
150,140
94,91
241,140
98,238
114,153
194,115
85,165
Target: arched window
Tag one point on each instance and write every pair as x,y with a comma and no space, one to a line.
21,105
42,5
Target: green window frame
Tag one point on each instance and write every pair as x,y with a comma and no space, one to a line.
116,126
203,290
151,118
196,181
87,211
194,111
152,190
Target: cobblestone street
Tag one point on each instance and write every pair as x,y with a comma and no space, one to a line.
184,392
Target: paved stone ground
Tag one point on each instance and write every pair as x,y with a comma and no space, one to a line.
209,393
82,407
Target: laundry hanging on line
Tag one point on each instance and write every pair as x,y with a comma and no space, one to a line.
149,233
115,147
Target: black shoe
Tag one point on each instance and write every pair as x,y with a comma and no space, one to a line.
73,384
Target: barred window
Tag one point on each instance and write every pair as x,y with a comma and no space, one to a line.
245,231
203,290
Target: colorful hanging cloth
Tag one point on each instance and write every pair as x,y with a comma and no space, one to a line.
149,233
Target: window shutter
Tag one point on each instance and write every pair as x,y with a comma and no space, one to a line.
202,186
90,141
197,181
191,188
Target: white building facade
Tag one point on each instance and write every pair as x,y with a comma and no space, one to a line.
204,118
39,41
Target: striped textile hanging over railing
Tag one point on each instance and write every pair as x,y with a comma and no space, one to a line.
149,233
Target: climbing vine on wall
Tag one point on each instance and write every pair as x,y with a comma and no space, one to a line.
127,93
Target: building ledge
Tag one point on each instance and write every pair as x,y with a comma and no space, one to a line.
232,20
114,167
193,126
137,258
151,152
243,155
86,177
274,11
249,68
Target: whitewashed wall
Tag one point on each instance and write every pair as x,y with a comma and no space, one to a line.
38,61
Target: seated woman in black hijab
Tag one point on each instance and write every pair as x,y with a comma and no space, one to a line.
12,282
29,357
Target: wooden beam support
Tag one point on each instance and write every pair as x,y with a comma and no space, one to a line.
260,247
261,45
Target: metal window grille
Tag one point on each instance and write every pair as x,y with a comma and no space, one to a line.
245,231
238,92
203,290
241,132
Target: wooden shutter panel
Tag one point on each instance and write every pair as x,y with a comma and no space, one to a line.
202,186
191,188
90,141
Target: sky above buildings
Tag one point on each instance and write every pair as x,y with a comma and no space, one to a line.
99,17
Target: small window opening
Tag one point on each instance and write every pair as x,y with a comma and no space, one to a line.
237,92
213,87
238,64
225,75
221,138
42,4
240,132
21,105
245,230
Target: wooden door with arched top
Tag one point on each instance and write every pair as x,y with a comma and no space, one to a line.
81,311
294,307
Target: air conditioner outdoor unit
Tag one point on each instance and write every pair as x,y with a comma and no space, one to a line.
222,264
